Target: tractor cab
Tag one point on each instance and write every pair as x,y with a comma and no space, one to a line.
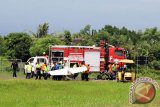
127,70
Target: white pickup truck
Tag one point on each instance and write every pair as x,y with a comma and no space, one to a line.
65,71
34,60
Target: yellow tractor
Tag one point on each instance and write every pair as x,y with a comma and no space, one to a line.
127,71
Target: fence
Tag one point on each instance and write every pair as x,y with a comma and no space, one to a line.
5,65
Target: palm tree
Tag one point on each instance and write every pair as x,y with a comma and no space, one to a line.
42,30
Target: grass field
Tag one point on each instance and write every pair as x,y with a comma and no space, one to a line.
19,92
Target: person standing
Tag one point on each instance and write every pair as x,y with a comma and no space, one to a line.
14,66
46,70
114,68
83,73
87,72
76,74
110,71
57,67
33,71
29,68
42,69
38,71
60,67
52,69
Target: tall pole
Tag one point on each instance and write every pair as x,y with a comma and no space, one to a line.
137,61
49,57
147,59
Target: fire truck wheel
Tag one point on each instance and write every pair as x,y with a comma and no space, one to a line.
75,75
99,76
67,78
104,77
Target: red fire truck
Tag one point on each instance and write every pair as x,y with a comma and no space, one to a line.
97,57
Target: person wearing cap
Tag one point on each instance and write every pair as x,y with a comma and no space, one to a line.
45,55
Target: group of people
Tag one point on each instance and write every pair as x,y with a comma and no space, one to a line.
42,71
61,65
38,71
57,66
113,68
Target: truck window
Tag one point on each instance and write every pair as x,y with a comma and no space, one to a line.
41,60
57,56
31,60
57,59
118,52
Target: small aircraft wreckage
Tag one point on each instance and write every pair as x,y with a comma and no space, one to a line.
68,72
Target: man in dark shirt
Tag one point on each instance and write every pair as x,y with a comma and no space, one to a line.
14,66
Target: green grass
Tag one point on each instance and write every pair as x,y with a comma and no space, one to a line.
19,92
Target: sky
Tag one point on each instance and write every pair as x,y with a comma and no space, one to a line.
73,15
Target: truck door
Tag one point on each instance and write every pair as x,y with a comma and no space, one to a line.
92,58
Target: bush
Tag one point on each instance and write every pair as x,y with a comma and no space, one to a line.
148,72
155,64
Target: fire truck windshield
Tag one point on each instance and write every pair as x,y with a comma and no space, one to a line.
118,52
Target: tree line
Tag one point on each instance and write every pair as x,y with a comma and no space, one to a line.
23,45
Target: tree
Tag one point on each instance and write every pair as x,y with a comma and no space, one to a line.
41,31
67,36
2,46
18,45
87,41
41,45
101,35
111,30
86,30
151,35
